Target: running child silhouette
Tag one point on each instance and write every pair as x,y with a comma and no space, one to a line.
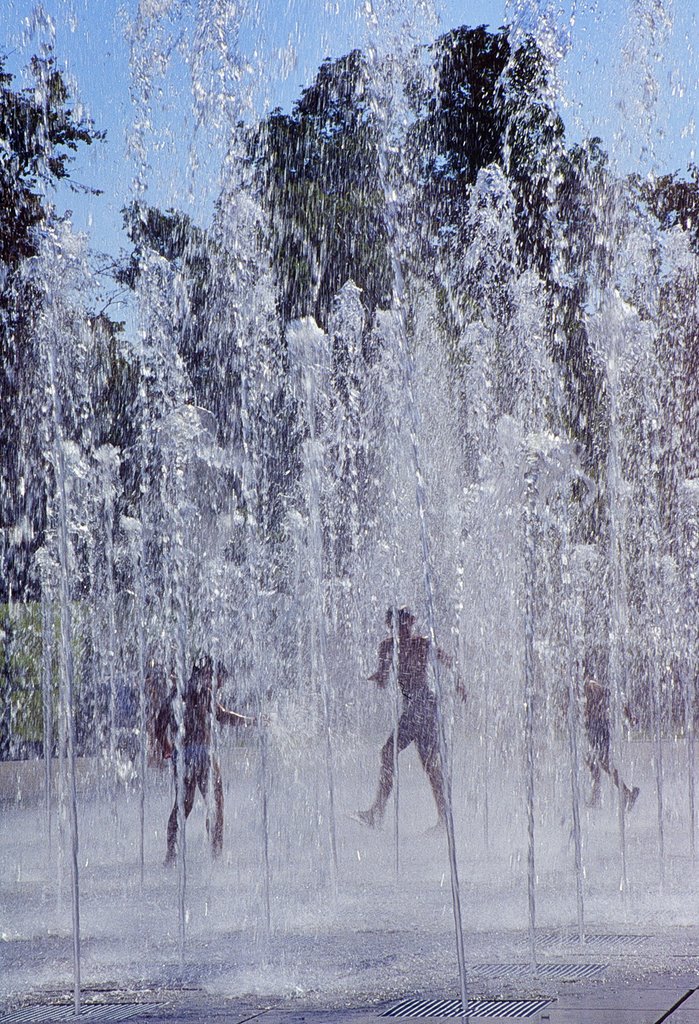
419,718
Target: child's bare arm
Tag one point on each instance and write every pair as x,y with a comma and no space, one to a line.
385,658
229,717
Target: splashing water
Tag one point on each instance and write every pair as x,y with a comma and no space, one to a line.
411,345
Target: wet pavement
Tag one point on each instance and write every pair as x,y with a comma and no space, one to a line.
653,999
353,954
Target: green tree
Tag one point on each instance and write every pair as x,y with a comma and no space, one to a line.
115,402
187,249
319,174
458,123
533,145
226,333
584,194
39,135
484,103
673,200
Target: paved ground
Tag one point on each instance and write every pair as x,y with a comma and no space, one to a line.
348,956
654,999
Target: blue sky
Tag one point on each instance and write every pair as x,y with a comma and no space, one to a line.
636,86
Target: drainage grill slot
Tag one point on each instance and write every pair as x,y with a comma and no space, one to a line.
112,1013
609,942
558,972
518,1008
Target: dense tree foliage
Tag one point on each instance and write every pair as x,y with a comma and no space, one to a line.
474,106
224,321
492,204
187,249
39,134
319,173
674,200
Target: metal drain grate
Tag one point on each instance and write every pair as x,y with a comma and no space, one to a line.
48,1014
596,941
518,1008
556,972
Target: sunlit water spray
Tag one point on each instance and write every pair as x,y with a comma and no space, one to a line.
427,464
